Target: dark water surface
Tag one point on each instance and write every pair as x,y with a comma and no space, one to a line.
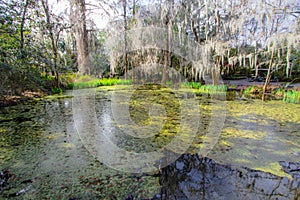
47,150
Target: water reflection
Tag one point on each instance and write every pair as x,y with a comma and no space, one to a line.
192,177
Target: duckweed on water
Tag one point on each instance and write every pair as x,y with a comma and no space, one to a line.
273,168
255,134
54,161
249,126
261,134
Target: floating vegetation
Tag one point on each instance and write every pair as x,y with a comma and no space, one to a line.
56,96
273,168
39,140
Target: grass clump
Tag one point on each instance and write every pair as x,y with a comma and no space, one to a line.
56,90
90,82
279,92
252,90
213,88
206,88
195,85
291,96
124,82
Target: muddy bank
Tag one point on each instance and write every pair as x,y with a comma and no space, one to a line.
244,83
10,100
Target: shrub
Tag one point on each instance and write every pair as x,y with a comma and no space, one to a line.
56,90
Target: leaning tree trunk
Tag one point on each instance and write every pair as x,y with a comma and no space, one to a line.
267,83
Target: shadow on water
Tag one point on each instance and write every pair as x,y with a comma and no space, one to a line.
193,177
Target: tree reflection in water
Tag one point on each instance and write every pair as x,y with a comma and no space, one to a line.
193,177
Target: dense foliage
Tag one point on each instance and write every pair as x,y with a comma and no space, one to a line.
39,44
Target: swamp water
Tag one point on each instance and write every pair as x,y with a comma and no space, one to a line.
44,154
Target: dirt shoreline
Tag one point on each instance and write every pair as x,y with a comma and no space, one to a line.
10,100
245,82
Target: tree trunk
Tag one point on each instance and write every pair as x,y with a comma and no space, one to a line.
268,75
195,31
166,59
54,71
288,64
215,72
22,24
169,23
215,78
81,34
125,59
255,61
134,19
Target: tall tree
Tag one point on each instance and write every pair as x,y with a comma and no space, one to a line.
125,59
168,22
79,19
24,13
54,40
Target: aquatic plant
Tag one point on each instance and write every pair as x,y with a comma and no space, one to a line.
56,90
206,88
81,85
278,92
124,82
291,96
213,88
195,85
106,82
93,83
252,90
